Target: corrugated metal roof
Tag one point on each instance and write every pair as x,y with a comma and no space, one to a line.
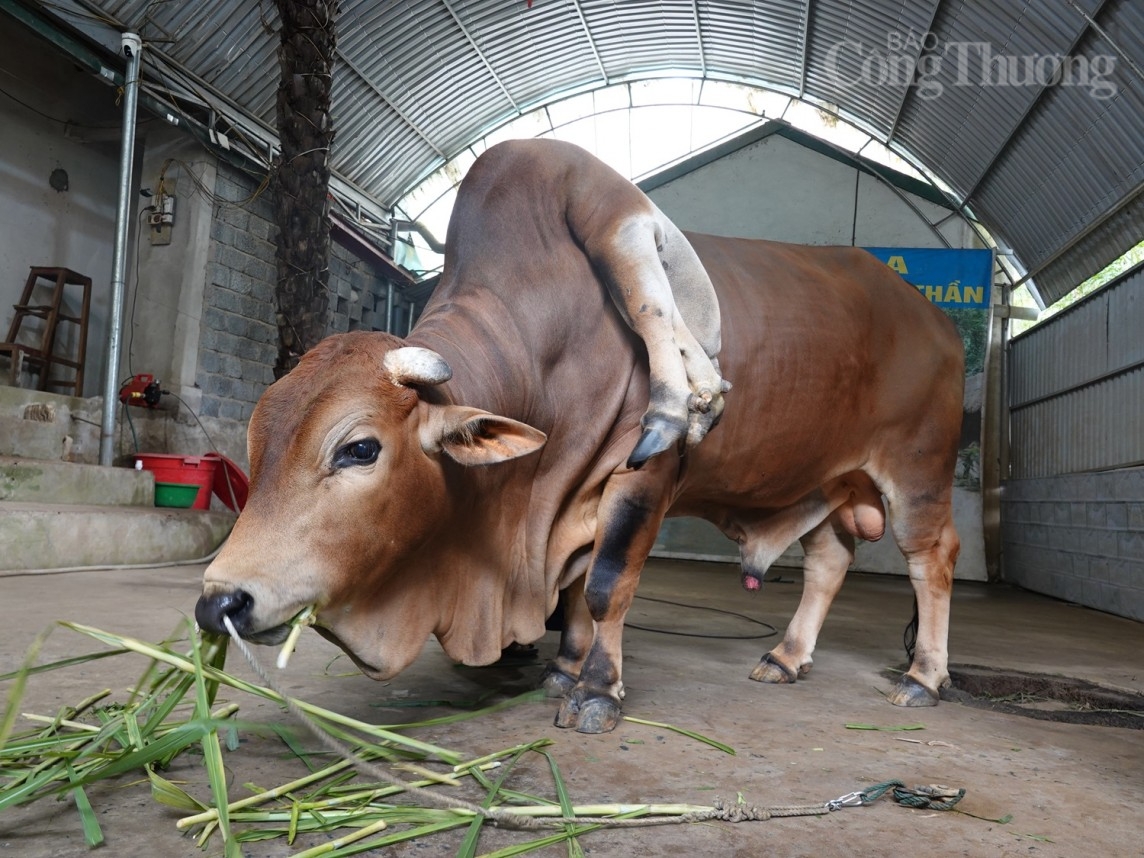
1049,167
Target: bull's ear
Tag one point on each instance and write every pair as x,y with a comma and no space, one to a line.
475,437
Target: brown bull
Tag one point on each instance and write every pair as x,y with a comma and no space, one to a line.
455,482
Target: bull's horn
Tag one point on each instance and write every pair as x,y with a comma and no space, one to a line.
413,365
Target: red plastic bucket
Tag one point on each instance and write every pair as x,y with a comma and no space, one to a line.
188,470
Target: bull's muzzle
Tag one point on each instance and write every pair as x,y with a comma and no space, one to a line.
212,607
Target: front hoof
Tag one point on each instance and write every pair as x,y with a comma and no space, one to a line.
589,713
659,435
907,691
599,715
556,683
770,669
568,715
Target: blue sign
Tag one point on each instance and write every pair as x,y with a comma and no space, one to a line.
948,278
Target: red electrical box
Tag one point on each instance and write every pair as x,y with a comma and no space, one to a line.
141,390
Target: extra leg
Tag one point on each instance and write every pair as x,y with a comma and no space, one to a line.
628,522
696,321
829,553
647,263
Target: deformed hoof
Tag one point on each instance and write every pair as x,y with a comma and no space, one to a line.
568,715
556,683
658,437
770,669
598,715
589,713
907,691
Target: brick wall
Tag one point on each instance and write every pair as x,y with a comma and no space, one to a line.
239,339
238,343
357,299
1078,537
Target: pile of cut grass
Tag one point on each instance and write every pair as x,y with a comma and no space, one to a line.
171,710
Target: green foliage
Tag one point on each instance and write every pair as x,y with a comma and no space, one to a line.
1021,298
169,712
973,327
968,472
1117,267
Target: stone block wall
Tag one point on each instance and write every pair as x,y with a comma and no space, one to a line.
357,295
239,340
1078,537
238,343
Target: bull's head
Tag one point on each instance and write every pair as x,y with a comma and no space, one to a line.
352,459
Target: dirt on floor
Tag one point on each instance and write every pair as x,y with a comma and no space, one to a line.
1063,789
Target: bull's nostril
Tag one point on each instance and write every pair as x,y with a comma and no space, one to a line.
210,610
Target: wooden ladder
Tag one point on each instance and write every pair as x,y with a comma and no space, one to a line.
40,357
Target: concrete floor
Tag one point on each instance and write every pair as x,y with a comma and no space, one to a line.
1071,790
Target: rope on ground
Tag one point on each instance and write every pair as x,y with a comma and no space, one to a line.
739,811
931,797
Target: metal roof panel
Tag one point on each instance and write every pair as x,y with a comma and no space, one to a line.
1050,169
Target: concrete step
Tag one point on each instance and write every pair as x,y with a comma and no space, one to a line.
39,425
34,439
13,400
45,481
50,536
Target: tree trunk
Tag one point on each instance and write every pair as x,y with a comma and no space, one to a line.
301,176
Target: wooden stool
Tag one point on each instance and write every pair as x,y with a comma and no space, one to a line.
41,357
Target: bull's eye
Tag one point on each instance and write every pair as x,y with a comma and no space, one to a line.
363,452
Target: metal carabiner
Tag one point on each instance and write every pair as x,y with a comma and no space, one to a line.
851,799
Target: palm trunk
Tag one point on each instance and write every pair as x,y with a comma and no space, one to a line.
301,176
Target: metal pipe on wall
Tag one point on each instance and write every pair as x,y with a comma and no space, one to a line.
132,47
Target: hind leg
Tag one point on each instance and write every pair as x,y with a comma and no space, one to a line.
829,553
923,528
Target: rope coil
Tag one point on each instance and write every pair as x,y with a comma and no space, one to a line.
930,797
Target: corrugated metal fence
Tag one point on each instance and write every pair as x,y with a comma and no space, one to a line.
1076,386
1072,509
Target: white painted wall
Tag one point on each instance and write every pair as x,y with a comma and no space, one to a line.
167,281
70,120
38,225
778,189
